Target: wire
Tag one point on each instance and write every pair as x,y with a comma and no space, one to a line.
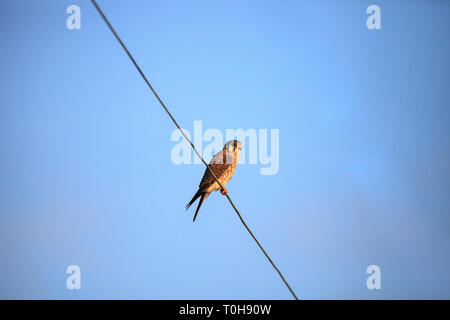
190,142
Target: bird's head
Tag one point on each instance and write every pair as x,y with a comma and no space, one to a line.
233,146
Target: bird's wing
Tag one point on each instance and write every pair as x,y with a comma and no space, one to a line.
219,164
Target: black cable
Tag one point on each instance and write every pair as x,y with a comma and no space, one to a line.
190,142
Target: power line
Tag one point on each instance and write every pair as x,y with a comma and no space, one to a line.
190,142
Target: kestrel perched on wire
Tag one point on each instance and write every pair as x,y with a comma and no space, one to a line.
223,165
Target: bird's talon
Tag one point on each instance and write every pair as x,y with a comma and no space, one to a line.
223,191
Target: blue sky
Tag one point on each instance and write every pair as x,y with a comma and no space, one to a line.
86,176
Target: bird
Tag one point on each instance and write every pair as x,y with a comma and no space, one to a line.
223,165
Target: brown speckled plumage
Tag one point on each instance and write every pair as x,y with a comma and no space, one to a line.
223,164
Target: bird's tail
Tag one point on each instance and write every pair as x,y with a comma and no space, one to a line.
203,198
198,194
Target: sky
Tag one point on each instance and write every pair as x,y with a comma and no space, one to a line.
87,178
